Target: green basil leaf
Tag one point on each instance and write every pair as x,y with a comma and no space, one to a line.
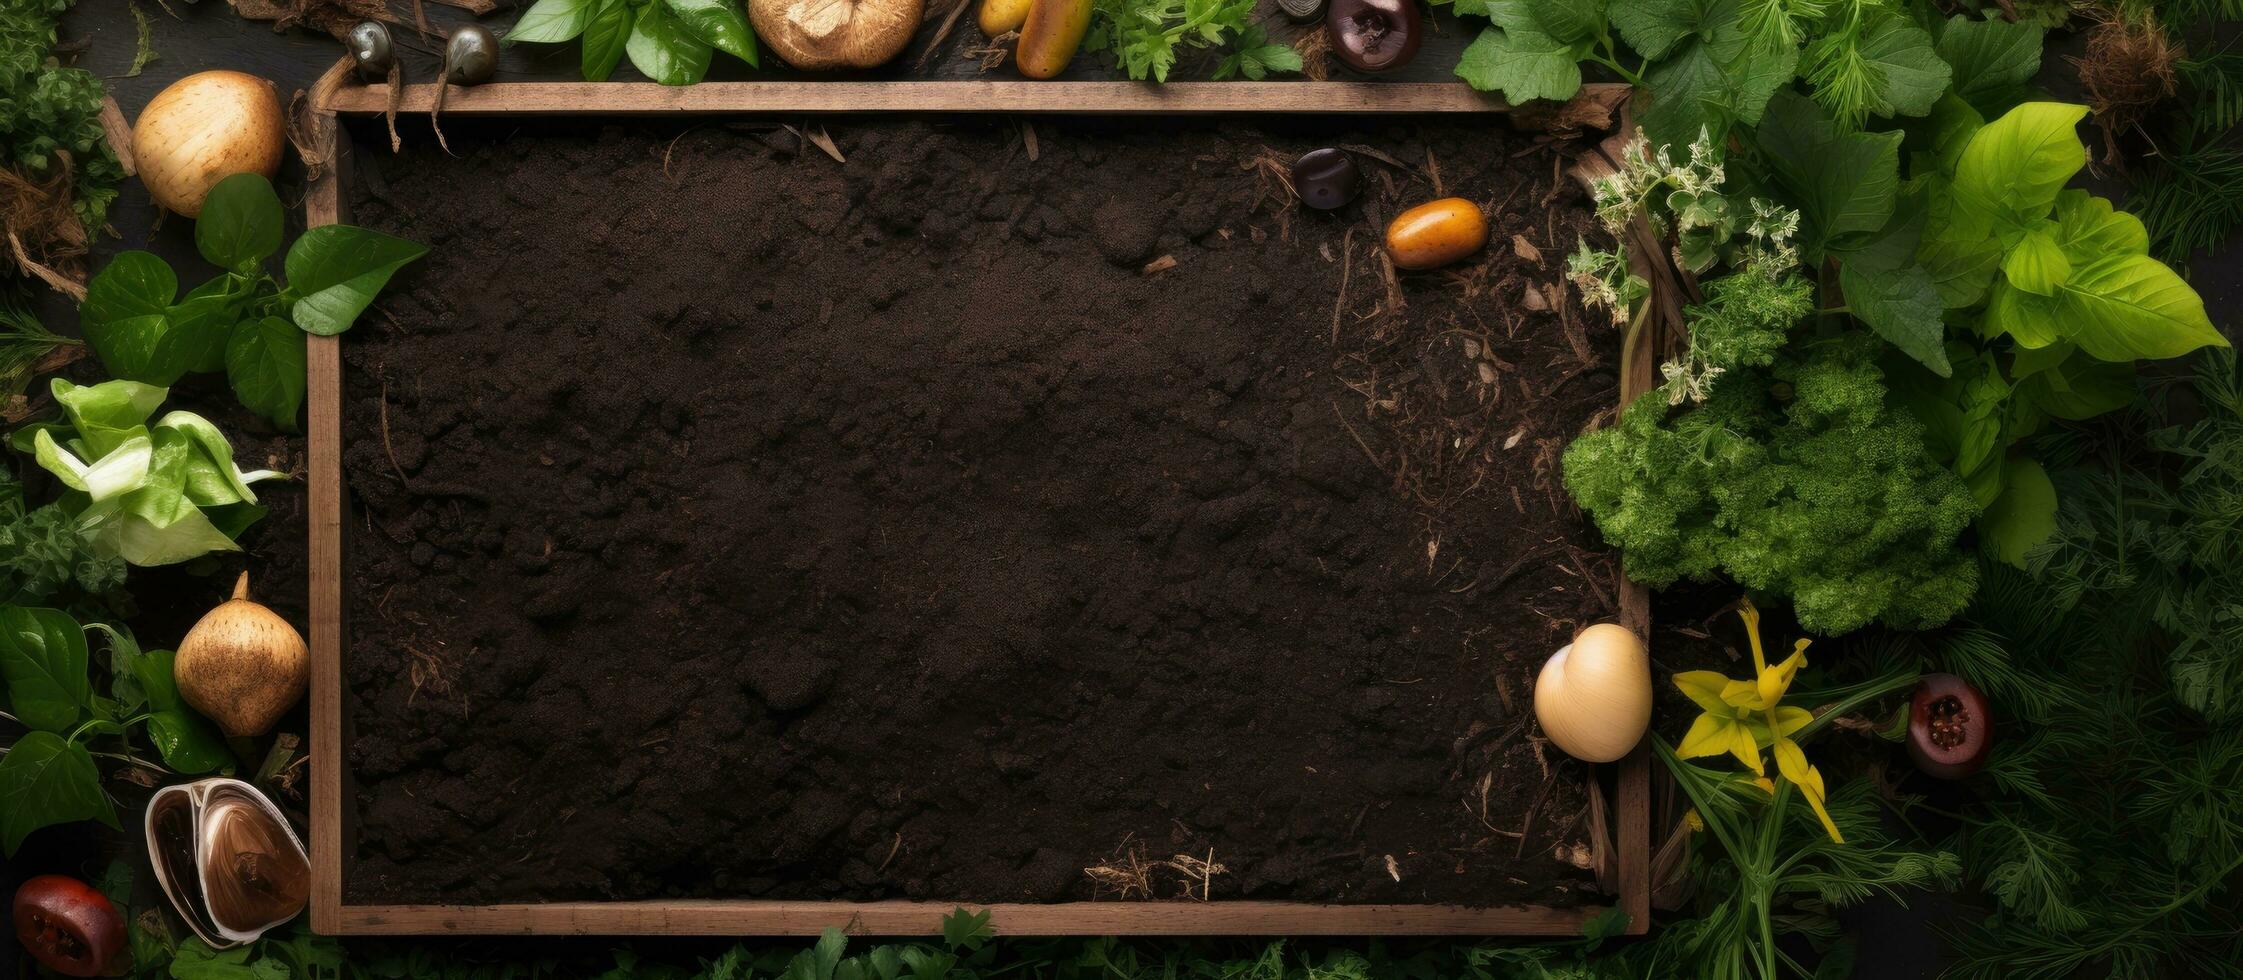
719,24
338,270
548,21
196,331
2023,516
123,316
2088,228
44,781
662,49
43,658
2118,308
604,36
187,742
2011,170
265,365
241,222
2036,264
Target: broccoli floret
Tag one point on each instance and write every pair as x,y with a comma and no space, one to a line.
1798,480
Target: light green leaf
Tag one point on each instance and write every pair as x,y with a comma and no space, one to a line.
1992,59
2012,168
241,222
122,470
1901,306
43,658
2119,308
2090,229
140,542
212,478
1566,21
1523,65
2036,264
719,24
123,316
1960,268
662,49
1953,122
265,365
44,781
2023,516
339,269
106,414
549,21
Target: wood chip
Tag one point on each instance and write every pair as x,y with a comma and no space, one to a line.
118,133
1393,869
1162,264
1525,249
825,142
1028,137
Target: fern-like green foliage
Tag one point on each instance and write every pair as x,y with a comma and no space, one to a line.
50,116
2110,838
46,559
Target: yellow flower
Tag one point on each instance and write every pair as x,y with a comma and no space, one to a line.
1742,718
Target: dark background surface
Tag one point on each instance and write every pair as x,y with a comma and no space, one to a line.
197,36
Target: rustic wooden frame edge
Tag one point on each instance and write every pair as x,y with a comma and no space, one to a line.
326,203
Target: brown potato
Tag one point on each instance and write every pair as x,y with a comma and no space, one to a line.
1436,233
1048,39
1003,16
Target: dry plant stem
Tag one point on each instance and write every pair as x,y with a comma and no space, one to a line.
949,23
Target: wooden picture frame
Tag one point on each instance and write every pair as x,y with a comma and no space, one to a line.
327,202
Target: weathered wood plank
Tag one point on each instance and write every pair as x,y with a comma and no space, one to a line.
324,204
761,918
1086,98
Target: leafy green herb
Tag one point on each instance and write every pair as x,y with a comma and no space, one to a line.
24,342
669,41
1146,37
50,116
150,493
49,777
243,322
45,555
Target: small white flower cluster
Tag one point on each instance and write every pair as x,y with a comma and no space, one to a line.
1771,250
1689,379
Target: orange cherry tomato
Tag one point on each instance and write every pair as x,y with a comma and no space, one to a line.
1436,233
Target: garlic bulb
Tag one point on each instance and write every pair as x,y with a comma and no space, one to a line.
1594,696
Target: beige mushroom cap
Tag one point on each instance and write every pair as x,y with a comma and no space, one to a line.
820,34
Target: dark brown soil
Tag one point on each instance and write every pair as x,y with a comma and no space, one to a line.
732,521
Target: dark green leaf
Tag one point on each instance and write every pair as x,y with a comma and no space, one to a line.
123,316
2024,515
187,742
604,36
265,365
719,24
241,222
338,270
196,331
43,658
196,961
44,781
549,21
1992,60
1653,27
663,50
1844,183
1902,306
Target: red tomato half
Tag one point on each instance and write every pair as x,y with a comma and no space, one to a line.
68,927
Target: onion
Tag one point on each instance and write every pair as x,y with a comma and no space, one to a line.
1594,696
242,665
203,129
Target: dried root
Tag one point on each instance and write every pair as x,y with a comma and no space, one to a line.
2127,72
